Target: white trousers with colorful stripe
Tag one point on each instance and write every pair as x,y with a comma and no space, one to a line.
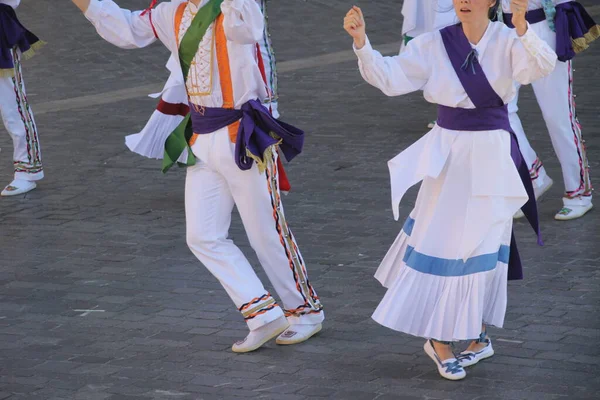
268,60
213,186
555,97
20,124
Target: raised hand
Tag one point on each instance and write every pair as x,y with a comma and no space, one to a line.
354,24
518,8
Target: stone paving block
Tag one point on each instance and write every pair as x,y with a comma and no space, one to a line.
283,397
58,366
129,397
18,388
81,395
358,395
47,393
388,396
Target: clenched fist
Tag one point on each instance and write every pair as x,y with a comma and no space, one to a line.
518,8
354,24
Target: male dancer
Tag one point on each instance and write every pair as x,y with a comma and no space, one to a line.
231,162
554,21
16,44
170,110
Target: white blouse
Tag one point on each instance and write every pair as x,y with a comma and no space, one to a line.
425,65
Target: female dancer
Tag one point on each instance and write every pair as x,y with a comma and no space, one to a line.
447,271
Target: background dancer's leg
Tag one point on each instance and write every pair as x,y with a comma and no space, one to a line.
557,102
18,120
540,179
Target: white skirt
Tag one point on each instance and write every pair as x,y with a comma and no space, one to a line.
446,272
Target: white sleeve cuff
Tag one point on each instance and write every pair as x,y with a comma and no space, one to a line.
237,5
531,41
364,54
94,10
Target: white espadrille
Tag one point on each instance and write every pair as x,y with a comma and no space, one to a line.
18,186
572,212
468,358
298,333
258,337
450,368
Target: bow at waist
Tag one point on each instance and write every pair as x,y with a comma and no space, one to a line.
258,131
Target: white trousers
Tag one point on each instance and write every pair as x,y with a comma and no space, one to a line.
554,95
213,186
20,124
268,57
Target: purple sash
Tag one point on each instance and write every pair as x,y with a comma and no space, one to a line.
255,133
13,34
575,28
490,113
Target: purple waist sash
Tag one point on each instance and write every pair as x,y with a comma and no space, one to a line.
258,131
13,34
575,28
474,119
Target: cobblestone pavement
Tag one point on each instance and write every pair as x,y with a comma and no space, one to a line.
101,299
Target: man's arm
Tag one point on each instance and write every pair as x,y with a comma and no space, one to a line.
244,22
121,27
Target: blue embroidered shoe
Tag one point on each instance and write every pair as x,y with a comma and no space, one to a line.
450,368
468,358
